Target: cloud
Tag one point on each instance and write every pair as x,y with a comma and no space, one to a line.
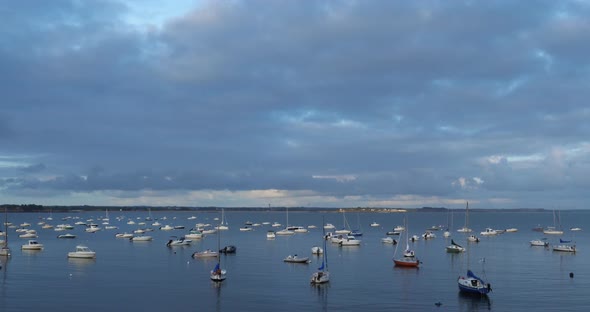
338,103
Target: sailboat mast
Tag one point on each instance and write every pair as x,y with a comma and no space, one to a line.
467,226
6,226
218,248
325,246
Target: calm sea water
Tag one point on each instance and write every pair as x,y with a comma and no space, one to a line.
149,276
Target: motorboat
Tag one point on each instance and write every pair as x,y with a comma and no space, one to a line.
166,227
329,226
67,235
399,228
246,229
296,259
336,239
284,232
317,250
393,232
178,242
271,234
428,235
574,229
473,238
141,238
511,230
210,230
350,240
229,249
388,240
32,245
300,229
93,228
178,227
276,224
539,242
5,251
194,234
29,234
124,235
82,252
208,253
489,232
375,224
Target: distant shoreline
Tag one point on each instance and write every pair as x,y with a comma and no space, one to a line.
84,208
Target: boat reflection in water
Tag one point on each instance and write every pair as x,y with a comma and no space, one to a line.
474,302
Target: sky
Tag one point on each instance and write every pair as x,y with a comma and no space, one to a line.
295,103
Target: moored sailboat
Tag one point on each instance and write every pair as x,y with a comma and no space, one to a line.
322,275
471,283
408,259
454,247
555,229
218,274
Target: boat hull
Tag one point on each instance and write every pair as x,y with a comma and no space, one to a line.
218,276
471,285
564,248
82,255
406,262
320,277
296,260
473,290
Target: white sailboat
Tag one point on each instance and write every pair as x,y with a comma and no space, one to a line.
465,229
223,225
556,228
471,283
5,250
345,227
447,232
218,274
286,230
322,275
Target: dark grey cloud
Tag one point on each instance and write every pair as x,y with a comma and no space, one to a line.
372,100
